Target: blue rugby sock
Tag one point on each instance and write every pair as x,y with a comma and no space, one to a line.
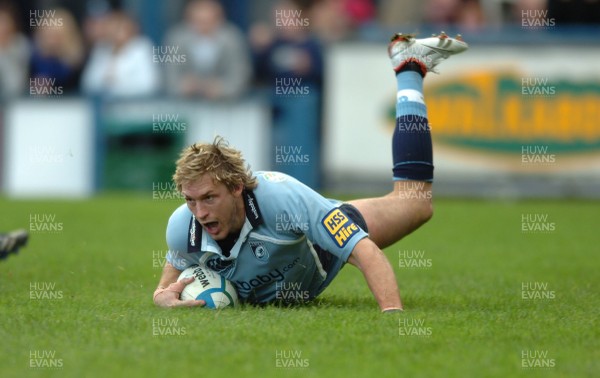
411,143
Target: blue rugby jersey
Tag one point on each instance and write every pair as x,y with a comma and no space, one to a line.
274,258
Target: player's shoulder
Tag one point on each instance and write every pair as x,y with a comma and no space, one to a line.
275,185
181,213
279,191
275,190
274,178
178,225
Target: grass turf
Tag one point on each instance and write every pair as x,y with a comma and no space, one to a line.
465,314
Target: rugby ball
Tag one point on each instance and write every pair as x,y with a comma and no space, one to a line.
208,286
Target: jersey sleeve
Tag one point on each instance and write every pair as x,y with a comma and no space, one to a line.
319,218
177,238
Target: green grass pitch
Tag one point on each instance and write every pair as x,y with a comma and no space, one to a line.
482,299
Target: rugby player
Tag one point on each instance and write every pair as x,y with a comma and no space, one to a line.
278,240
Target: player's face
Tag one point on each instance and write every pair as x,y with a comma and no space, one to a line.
219,211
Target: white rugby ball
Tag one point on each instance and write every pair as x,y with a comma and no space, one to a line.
208,286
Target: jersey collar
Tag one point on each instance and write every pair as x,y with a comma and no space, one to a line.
252,210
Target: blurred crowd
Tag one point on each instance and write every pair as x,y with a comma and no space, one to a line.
96,47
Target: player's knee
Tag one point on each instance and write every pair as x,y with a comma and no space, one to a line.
425,211
428,212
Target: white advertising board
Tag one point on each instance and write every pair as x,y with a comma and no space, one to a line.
49,148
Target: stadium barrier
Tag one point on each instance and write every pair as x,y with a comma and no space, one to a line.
71,147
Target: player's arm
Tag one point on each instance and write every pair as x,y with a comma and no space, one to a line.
378,273
168,291
169,275
336,232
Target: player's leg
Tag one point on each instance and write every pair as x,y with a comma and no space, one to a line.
390,218
408,206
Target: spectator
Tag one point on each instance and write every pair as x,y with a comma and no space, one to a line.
408,14
95,24
329,20
471,16
442,13
467,15
290,52
531,10
217,60
121,62
337,20
58,54
289,60
14,55
360,11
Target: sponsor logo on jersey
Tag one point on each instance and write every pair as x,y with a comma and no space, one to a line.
252,210
275,275
195,234
274,176
339,227
259,250
219,265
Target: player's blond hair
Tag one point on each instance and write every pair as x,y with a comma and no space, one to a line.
223,163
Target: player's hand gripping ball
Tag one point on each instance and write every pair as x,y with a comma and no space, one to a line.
208,286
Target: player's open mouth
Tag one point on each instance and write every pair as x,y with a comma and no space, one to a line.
211,227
